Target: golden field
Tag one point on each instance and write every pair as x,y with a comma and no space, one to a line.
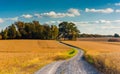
28,56
104,55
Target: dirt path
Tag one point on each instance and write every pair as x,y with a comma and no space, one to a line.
75,65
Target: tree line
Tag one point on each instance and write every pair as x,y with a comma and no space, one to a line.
35,30
93,35
97,35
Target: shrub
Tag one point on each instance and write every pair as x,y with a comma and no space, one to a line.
89,59
114,40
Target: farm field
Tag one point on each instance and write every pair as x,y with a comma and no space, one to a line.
28,56
100,39
104,55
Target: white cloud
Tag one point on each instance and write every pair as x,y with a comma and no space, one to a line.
12,19
27,16
1,20
93,22
8,19
117,4
53,22
107,10
104,21
110,27
38,15
74,11
50,22
118,11
52,14
116,21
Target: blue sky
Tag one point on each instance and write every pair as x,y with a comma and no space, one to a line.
90,16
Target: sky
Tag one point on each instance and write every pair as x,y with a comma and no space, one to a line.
90,16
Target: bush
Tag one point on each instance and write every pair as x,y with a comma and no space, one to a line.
114,40
89,59
66,55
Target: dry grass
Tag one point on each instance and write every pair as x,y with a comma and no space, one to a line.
94,39
104,55
27,56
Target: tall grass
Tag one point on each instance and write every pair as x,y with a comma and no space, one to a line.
105,56
66,55
28,56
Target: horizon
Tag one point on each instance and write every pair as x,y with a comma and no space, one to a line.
90,16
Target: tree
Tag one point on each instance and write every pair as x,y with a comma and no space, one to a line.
54,32
34,30
20,27
116,35
68,30
4,34
11,32
18,35
47,31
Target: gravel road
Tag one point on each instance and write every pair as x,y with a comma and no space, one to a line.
75,65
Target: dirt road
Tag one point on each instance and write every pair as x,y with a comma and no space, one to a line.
75,65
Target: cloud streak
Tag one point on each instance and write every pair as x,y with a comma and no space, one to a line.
27,16
118,11
52,14
1,20
11,19
107,10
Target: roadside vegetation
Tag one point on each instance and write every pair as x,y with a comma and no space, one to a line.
66,55
28,56
105,56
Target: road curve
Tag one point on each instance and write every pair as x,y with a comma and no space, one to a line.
75,65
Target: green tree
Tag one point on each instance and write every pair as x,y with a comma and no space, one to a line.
54,31
11,32
18,35
116,35
47,31
4,34
68,30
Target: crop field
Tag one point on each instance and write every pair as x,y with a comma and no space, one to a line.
103,55
28,56
94,39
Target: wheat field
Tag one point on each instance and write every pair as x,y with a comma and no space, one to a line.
27,56
104,55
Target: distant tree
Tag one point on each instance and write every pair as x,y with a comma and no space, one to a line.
54,32
0,37
20,27
11,32
4,34
47,31
68,30
34,30
116,35
18,35
94,35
